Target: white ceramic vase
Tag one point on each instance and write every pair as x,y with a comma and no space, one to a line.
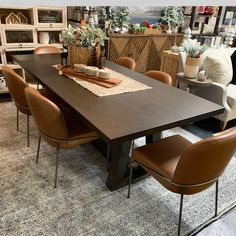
44,37
191,67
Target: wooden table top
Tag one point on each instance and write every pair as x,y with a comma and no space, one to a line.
119,118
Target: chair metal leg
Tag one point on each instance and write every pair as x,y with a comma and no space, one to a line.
27,130
216,198
57,160
17,119
39,142
180,213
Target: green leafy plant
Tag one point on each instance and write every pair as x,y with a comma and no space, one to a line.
156,26
141,29
87,36
107,13
193,48
121,16
173,16
117,16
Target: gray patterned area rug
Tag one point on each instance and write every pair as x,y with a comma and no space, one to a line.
82,204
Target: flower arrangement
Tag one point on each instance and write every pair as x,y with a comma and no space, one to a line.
87,36
146,24
193,48
141,28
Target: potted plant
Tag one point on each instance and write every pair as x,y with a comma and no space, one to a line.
194,51
121,17
83,43
173,17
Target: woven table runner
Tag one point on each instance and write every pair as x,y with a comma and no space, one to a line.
127,85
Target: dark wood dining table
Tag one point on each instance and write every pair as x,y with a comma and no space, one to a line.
119,119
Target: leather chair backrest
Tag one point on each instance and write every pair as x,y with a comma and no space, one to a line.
126,62
206,159
16,86
46,50
47,115
159,75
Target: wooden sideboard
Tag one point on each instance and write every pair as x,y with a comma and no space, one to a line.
147,50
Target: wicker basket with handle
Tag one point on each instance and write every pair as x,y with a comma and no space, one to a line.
80,55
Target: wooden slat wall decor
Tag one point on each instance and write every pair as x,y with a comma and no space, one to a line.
147,50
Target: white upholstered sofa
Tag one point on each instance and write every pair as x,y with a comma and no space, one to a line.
222,94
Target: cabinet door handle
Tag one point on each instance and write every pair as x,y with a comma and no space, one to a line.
20,45
50,25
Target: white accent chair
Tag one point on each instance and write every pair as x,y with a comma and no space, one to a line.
221,94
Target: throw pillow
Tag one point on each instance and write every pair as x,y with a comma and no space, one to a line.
218,66
233,59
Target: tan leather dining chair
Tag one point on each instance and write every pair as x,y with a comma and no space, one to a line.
186,168
159,75
58,129
16,86
126,62
46,50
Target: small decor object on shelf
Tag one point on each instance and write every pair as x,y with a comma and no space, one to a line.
22,18
44,37
202,75
82,43
13,19
194,51
2,81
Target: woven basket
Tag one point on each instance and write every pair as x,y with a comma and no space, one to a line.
152,31
80,55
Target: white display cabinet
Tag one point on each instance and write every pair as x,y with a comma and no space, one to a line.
20,28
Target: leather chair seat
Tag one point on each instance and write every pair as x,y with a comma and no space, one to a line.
162,157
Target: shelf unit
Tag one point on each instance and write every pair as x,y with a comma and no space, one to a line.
24,38
202,25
